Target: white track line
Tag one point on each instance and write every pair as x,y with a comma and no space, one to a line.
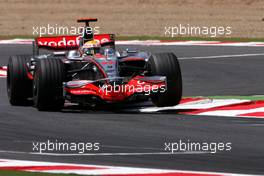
108,154
222,56
3,71
159,43
121,154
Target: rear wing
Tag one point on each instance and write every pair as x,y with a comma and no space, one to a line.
86,21
71,42
86,36
75,41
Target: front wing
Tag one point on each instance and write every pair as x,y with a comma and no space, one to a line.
111,92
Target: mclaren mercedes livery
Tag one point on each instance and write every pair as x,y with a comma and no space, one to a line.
90,71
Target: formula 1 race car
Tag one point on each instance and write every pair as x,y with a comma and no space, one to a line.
89,70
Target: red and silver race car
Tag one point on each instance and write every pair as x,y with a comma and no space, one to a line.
88,70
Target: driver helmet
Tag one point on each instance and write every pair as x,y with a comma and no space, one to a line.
90,48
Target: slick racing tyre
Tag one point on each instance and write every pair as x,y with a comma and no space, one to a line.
48,84
19,85
166,64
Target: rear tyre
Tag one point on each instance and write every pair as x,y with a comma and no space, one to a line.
48,84
166,64
19,86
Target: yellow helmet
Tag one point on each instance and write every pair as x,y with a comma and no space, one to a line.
91,47
92,44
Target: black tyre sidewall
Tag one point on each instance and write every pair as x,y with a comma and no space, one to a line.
166,64
19,86
48,84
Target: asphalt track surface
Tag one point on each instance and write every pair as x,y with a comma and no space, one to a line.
146,133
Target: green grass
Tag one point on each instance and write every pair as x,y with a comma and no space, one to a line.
255,97
158,38
23,173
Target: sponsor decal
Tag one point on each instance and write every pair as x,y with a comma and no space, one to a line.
81,92
61,42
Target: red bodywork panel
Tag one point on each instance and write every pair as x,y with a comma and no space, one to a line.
70,42
124,91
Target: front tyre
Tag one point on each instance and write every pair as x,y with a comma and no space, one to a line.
48,84
166,64
19,85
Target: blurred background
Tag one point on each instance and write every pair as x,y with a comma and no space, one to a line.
134,17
